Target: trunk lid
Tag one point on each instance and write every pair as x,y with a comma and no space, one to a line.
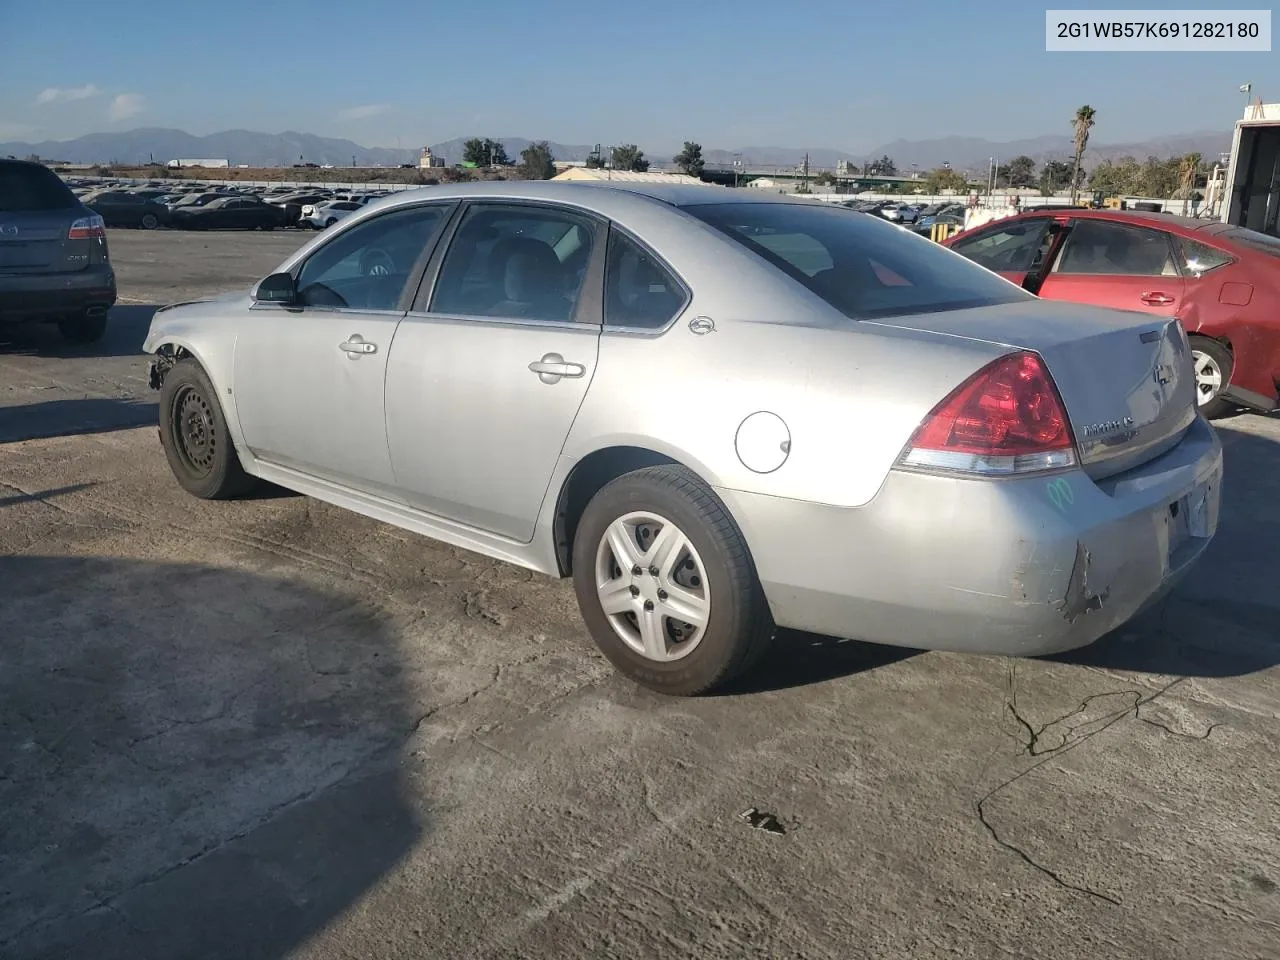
36,213
33,242
1125,378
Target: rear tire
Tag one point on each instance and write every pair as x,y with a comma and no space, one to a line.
83,328
709,572
150,221
193,432
1213,365
331,221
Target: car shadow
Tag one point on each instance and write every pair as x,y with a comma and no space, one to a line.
195,762
62,418
798,659
127,325
1223,619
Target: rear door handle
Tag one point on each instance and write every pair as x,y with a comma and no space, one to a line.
552,367
356,346
1157,299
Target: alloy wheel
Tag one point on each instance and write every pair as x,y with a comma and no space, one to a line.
1208,377
652,586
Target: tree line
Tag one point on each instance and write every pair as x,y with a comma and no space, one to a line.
537,163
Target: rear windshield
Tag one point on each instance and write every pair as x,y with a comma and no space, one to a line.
1262,242
27,186
862,265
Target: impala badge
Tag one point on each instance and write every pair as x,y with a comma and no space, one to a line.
1108,426
1162,374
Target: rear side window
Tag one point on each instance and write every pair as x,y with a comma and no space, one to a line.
28,186
1200,258
1101,248
639,292
862,265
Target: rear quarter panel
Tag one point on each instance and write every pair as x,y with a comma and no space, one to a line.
850,398
1212,307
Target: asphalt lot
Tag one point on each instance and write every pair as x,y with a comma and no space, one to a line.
272,729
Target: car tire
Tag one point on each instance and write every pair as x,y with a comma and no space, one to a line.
149,221
193,432
716,577
1213,364
83,327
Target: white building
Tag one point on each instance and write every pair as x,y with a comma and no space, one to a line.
209,164
623,176
429,160
1253,174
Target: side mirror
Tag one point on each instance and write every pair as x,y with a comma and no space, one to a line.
277,288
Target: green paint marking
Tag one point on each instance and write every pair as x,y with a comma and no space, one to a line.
1060,493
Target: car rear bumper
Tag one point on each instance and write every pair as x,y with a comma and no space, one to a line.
41,296
1017,567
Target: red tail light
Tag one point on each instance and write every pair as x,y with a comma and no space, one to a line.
87,228
1006,419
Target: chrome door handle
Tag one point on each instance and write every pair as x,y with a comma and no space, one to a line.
1156,299
553,366
356,345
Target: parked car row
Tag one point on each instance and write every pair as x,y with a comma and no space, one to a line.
200,206
918,217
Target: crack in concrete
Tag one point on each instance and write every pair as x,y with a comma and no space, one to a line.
1033,747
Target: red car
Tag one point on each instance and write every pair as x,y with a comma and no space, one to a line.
1222,282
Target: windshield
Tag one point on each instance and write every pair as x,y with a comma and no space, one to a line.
1253,240
860,264
28,186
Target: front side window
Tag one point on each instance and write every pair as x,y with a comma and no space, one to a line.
1100,247
639,291
1017,247
369,266
526,263
860,264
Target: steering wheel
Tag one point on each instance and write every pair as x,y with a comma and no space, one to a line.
376,262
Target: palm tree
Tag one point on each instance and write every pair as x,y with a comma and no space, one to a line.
1188,169
1083,121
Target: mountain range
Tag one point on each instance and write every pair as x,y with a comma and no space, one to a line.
284,149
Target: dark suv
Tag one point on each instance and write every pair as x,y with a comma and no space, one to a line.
53,254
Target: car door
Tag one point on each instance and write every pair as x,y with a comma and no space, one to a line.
1015,248
1120,265
309,377
489,369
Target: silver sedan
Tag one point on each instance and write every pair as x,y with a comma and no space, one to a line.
718,413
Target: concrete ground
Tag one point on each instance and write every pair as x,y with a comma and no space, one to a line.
273,729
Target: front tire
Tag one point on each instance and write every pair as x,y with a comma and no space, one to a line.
150,221
84,327
666,584
1213,364
193,432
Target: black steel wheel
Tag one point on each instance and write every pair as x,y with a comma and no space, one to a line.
195,438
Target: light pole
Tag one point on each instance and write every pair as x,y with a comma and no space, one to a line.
737,167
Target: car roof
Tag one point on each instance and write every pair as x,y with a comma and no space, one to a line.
1162,221
597,194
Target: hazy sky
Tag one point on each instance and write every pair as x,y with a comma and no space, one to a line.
848,74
